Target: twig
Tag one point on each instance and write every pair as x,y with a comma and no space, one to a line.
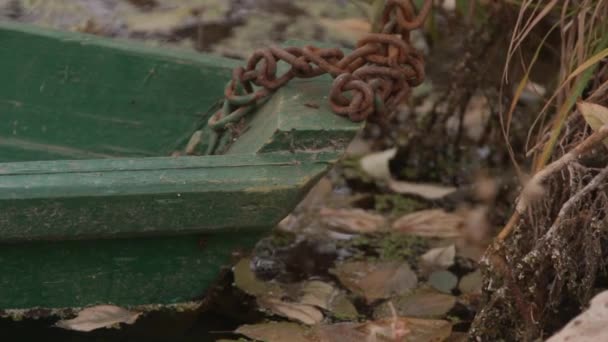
525,198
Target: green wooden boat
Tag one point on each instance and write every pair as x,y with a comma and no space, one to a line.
93,206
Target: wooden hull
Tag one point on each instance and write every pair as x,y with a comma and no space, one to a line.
92,208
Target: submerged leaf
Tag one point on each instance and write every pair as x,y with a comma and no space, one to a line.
390,329
276,332
100,316
304,313
352,220
422,303
430,223
376,280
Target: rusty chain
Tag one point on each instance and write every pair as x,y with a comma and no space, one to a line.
378,74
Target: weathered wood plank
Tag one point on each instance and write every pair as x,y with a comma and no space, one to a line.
110,198
76,92
125,272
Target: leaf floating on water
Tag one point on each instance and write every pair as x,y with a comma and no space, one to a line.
440,256
245,279
376,280
304,313
376,164
588,326
276,332
100,316
352,220
391,329
425,190
317,293
430,223
595,115
422,303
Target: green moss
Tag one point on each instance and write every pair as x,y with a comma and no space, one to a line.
391,246
402,247
397,204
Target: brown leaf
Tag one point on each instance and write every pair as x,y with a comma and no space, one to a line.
352,220
376,280
425,190
422,303
276,332
391,329
100,316
326,296
317,293
306,314
430,223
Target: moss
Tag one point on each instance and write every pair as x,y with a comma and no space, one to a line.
391,246
401,246
397,204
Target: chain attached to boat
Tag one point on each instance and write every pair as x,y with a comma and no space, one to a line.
378,74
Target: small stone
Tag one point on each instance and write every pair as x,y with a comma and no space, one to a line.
471,283
443,281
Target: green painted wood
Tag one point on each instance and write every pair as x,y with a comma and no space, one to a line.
74,96
90,210
124,272
107,198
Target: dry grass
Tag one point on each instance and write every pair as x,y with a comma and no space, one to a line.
550,258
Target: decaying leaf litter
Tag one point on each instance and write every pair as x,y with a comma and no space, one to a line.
387,247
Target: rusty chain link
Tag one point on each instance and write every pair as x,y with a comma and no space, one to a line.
378,74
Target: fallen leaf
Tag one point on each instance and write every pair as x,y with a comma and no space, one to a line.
376,164
245,279
352,220
422,303
590,325
100,316
304,313
390,329
342,308
276,332
376,280
471,283
596,115
325,296
440,256
444,281
430,223
425,190
317,293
